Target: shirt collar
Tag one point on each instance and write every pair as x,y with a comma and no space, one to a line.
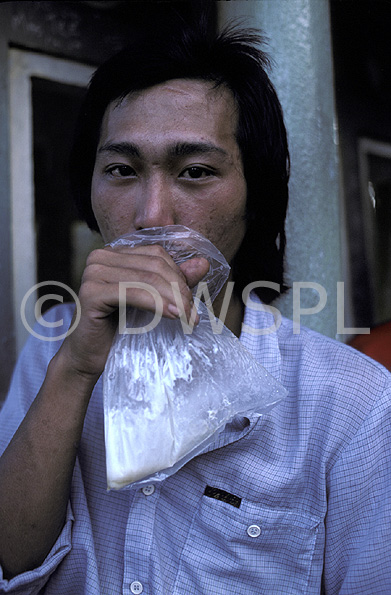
259,334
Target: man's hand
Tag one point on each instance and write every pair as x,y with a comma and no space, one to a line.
86,349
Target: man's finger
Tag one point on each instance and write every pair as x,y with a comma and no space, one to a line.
194,270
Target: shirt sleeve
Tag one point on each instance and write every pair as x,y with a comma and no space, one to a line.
28,376
32,581
358,524
30,370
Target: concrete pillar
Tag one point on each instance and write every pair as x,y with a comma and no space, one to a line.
299,43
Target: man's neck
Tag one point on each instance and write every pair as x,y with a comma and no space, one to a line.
234,317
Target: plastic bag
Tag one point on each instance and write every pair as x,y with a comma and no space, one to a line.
167,392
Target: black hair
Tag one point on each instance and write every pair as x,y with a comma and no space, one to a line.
232,58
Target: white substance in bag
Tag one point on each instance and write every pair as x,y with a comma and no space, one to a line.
167,393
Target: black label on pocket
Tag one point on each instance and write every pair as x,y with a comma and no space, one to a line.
223,496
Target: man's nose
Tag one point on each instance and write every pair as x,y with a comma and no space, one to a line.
154,205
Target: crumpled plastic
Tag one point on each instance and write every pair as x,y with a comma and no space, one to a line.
168,392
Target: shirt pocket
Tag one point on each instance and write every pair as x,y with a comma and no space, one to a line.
252,549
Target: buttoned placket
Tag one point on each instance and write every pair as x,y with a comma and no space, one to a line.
138,540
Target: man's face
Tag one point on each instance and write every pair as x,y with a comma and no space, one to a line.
168,155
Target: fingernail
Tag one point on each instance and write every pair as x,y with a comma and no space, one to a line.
173,310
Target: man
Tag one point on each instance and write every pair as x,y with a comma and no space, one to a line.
189,131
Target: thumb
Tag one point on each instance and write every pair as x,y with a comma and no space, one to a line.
194,270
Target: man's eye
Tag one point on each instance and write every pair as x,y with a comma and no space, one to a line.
196,172
121,171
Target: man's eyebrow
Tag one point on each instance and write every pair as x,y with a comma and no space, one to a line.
122,148
182,149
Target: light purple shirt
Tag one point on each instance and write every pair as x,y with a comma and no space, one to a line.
311,477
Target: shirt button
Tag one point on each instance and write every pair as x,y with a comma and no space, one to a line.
253,531
136,587
148,490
